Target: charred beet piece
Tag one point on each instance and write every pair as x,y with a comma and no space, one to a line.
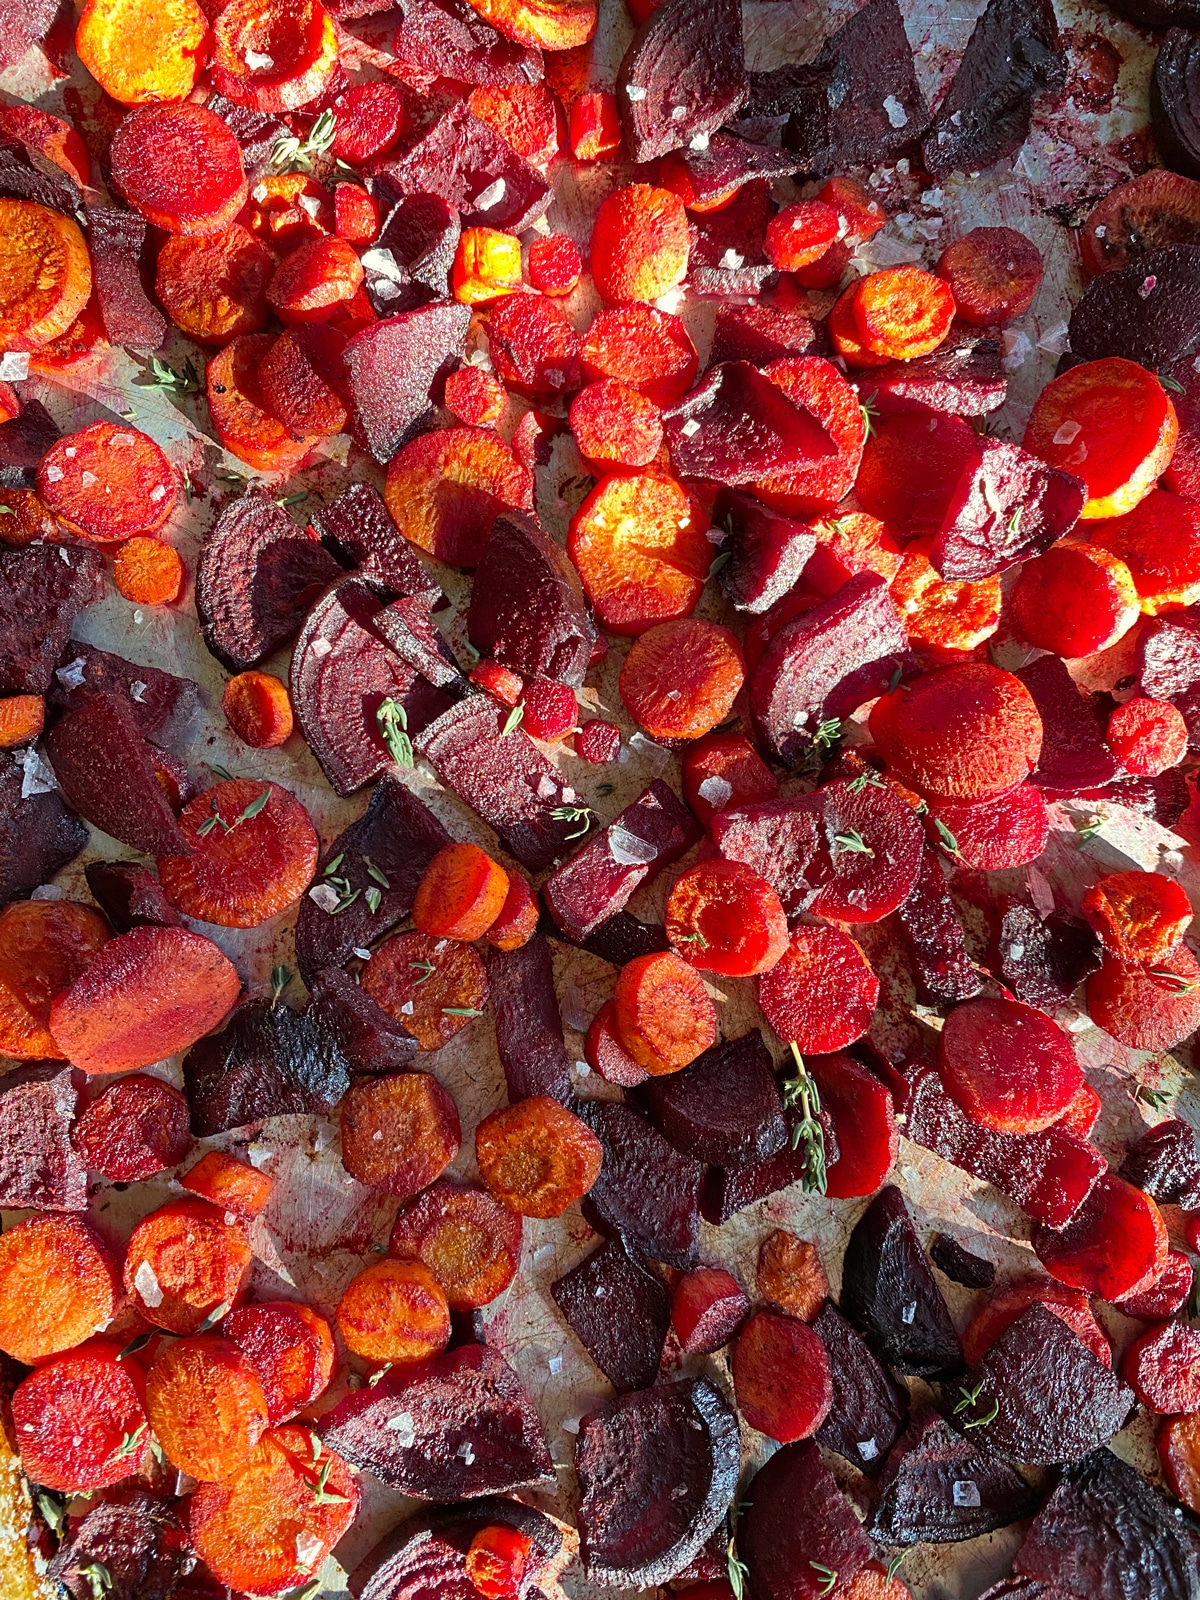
39,1166
398,835
469,165
1174,94
647,1193
687,54
38,835
130,896
1006,507
869,1406
593,886
163,706
1148,312
780,840
1165,1164
767,551
619,1311
258,575
1049,1174
136,1539
963,378
395,365
727,161
27,174
528,609
798,1528
1043,961
727,1192
451,1428
369,1040
825,663
503,777
622,938
425,1554
420,233
358,529
1012,54
1074,756
761,333
892,1297
940,1487
936,940
446,39
959,1264
268,1061
724,1109
406,628
1041,1396
43,588
529,1034
116,240
736,427
633,1457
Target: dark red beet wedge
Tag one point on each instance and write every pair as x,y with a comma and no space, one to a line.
163,706
798,1527
726,1192
767,551
737,427
528,609
447,39
43,588
529,1035
864,1124
130,896
468,164
1044,960
39,1166
708,1306
395,365
726,162
725,1108
1174,97
38,835
1006,507
410,263
1168,658
963,378
406,628
619,1311
779,840
623,938
869,1405
425,1554
358,529
941,1487
1074,757
268,1061
762,332
28,174
633,1457
1148,312
647,1193
370,1041
937,943
1165,1164
687,54
961,1265
116,240
136,1538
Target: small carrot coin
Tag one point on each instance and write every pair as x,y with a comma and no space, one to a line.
239,414
1139,916
1147,736
433,987
139,54
639,543
606,1054
23,519
1151,1008
640,244
790,1276
44,946
148,572
79,1421
615,425
944,615
185,1261
1159,543
229,1184
821,993
844,334
722,917
54,138
994,275
399,1132
781,1377
680,678
180,166
273,55
58,1286
206,1406
525,115
107,482
460,894
45,274
723,770
475,397
1010,1067
648,349
1074,599
303,380
497,1561
664,1016
518,919
315,281
903,312
290,1347
215,288
394,1311
800,234
137,1127
258,709
537,1157
554,263
487,264
466,1238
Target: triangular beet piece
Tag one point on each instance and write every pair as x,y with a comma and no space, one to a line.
39,1167
890,1294
116,240
130,896
798,1527
727,1191
371,1041
936,939
163,705
447,39
1006,507
43,588
726,162
529,1032
528,610
357,528
469,165
28,174
767,551
683,75
1043,960
1165,1164
869,1406
1074,756
394,366
1148,312
647,1192
24,23
411,261
939,1487
268,1061
406,628
963,378
38,834
23,443
619,1311
737,427
780,840
724,1109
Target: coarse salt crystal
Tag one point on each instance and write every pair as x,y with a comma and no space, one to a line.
491,197
966,1492
137,691
1067,432
381,260
635,93
678,113
48,891
139,616
731,260
363,955
258,61
466,1452
325,897
157,492
14,366
310,204
627,849
309,1549
868,1449
53,473
690,428
147,1285
699,141
72,675
570,1424
407,1008
908,1313
555,1364
896,113
716,791
1147,286
37,777
320,647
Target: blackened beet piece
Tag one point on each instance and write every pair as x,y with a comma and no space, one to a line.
623,938
728,1191
528,609
961,1265
116,240
1044,960
358,529
43,588
892,1297
163,706
27,174
798,1527
1148,312
725,1108
726,162
258,575
620,1311
38,834
529,1035
1006,507
1175,100
136,1539
736,427
1074,756
454,1427
658,1471
447,39
936,940
869,1406
39,1166
683,75
963,378
420,234
369,1039
407,628
130,896
468,164
763,332
425,1555
825,663
767,551
394,366
23,443
941,1487
647,1192
1165,1164
269,1061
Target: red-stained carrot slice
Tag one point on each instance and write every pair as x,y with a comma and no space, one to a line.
79,1421
518,919
1075,599
993,273
800,234
24,520
1010,1067
82,340
872,1582
445,488
1140,916
842,328
433,987
722,917
992,835
242,422
215,288
371,117
818,387
903,312
45,274
680,678
137,1127
399,1132
948,618
394,1311
206,1406
460,895
303,380
861,214
1147,736
22,718
107,482
616,426
724,770
790,1276
640,545
497,1561
258,709
286,208
781,1377
554,264
1082,1114
467,1239
273,55
228,1184
1159,542
141,54
525,115
849,542
864,1125
640,244
475,397
537,1157
1147,1008
1113,1246
708,1305
650,350
1162,1367
290,1346
664,1016
552,25
316,281
58,1286
185,1262
821,992
181,167
999,1313
607,1055
44,946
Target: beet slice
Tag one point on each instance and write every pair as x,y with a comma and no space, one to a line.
39,1166
941,1487
23,443
136,1538
468,164
1054,1400
357,529
370,1041
961,1265
647,1193
689,54
619,1311
779,839
1165,1164
1168,664
725,1108
595,884
1074,756
268,1061
798,1527
43,588
892,1297
394,367
412,259
451,1428
24,23
1148,312
1012,55
1006,507
1044,960
864,1125
1174,87
737,427
528,609
38,835
28,174
869,1407
852,883
116,241
448,39
726,1192
761,333
633,1458
936,940
767,551
621,939
425,1554
714,169
398,835
406,628
529,1035
257,576
963,378
163,706
130,896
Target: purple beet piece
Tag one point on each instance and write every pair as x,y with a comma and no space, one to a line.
469,165
762,333
370,1041
1013,55
657,1470
27,174
529,1035
1074,756
687,54
595,884
130,896
726,162
163,706
1055,1401
825,663
960,1265
739,226
268,1061
767,551
798,1527
1022,1589
1148,312
890,1294
724,1109
116,240
342,672
436,1408
1168,664
711,1562
43,588
503,777
425,1554
38,834
1165,1164
728,1191
619,1311
736,427
1006,507
39,1167
257,132
623,938
357,529
395,364
528,610
258,575
136,1538
647,1193
399,836
779,839
935,938
23,443
941,1486
1173,99
105,769
1043,961
962,378
447,39
409,632
869,1405
24,23
420,235
1048,1174
859,103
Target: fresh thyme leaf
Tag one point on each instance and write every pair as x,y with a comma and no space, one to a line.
574,814
894,1565
1174,981
969,1397
894,680
255,806
1173,384
348,897
205,828
737,1570
982,1422
868,777
854,842
99,1578
374,873
868,412
293,154
606,789
219,772
827,1576
54,1512
828,733
322,1494
376,1376
800,1093
514,719
134,1345
425,968
1156,1099
130,1441
1088,830
947,838
722,559
280,978
291,499
334,864
160,376
461,1011
1014,522
692,938
392,721
374,899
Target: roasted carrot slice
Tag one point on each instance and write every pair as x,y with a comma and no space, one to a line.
821,993
23,518
615,426
215,288
498,1560
487,264
79,1421
640,545
242,422
903,312
518,919
315,281
107,482
722,917
184,1262
460,895
1147,736
399,1132
45,274
537,1157
432,986
180,166
680,678
648,349
1159,543
58,1286
790,1275
394,1311
993,273
467,1239
444,490
273,55
229,1184
664,1016
290,1346
800,234
141,54
640,244
257,708
1140,916
148,572
44,946
948,617
206,1406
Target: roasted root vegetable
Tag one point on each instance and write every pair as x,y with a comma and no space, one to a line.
289,1347
229,1184
460,895
258,709
465,1237
639,544
663,1014
639,244
58,1286
680,679
44,946
181,167
536,1157
47,274
394,1311
140,56
399,1132
79,1420
722,917
206,1406
184,1262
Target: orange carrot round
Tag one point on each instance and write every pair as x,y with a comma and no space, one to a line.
433,987
460,895
640,545
468,1240
235,403
45,274
680,678
44,946
215,288
903,312
206,1406
394,1311
258,709
722,917
639,244
148,572
58,1286
537,1157
518,919
140,54
664,1016
399,1132
229,1184
108,482
183,1263
291,1348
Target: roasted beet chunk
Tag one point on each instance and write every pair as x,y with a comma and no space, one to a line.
961,1265
427,1553
890,1294
1006,506
940,1487
529,1035
620,1311
268,1062
1165,1164
358,529
43,588
737,427
647,1192
468,164
38,835
727,1191
798,1528
420,234
869,1406
767,551
687,54
38,1164
370,1041
633,1457
116,240
27,174
395,365
130,896
1074,756
725,1109
450,1428
528,610
163,705
138,1541
1043,961
446,39
963,378
1148,312
936,940
1173,101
